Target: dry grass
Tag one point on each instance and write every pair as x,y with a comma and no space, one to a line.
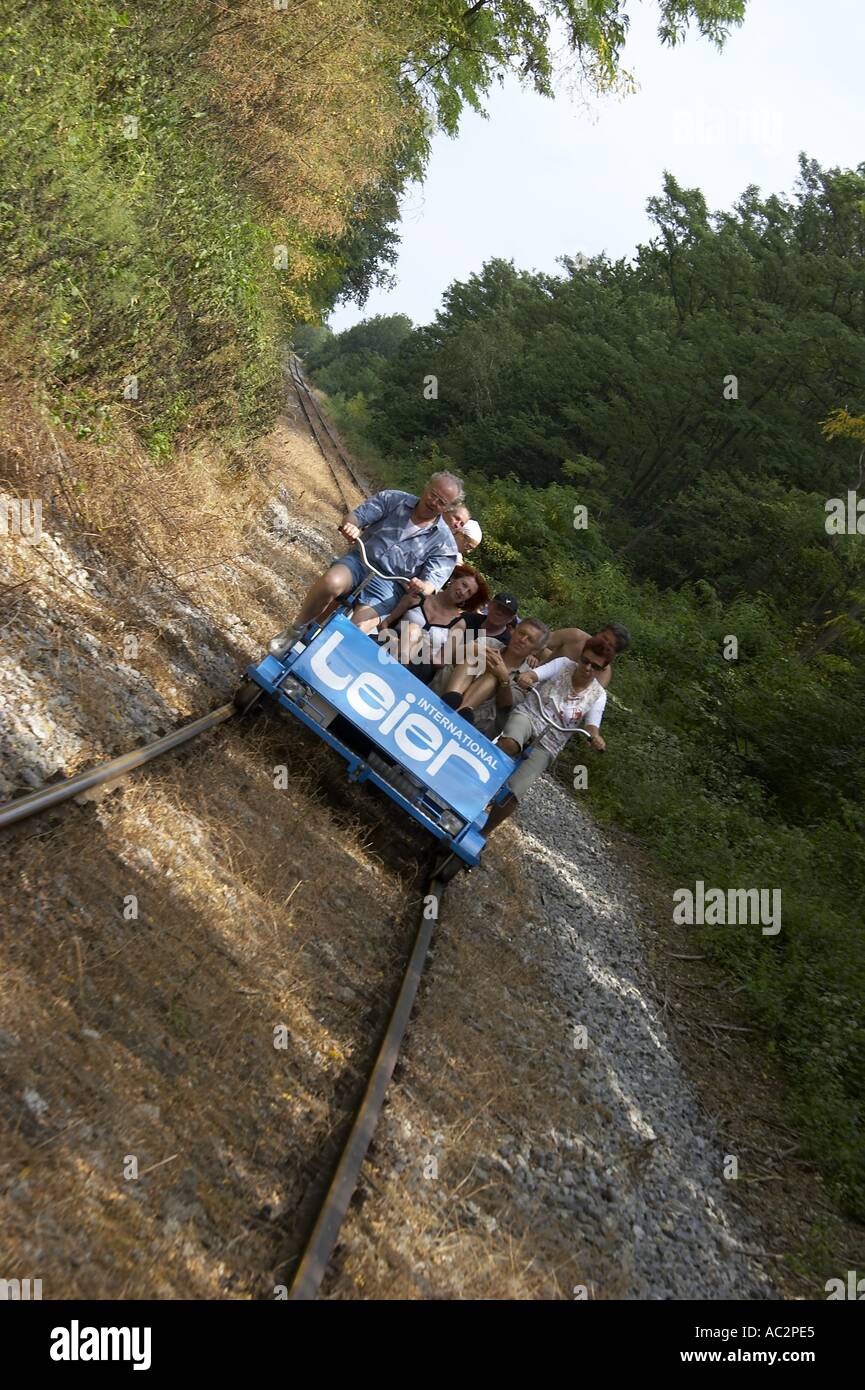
308,102
152,1035
169,519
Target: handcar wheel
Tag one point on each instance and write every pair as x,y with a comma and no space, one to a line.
449,868
246,696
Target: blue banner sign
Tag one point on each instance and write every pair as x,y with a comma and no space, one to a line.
403,717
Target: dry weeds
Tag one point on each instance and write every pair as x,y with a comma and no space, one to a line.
154,939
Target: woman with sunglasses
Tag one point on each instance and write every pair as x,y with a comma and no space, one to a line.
571,690
571,693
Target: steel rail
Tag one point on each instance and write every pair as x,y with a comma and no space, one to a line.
301,381
302,398
305,401
319,1247
301,384
43,797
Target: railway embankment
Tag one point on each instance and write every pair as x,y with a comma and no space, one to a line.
196,964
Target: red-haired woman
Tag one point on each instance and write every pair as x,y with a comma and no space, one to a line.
435,622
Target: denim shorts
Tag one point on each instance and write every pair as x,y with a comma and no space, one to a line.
381,594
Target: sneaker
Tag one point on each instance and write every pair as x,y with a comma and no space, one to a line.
283,642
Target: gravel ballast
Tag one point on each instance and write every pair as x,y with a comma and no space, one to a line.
650,1164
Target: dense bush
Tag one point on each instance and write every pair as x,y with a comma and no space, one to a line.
142,231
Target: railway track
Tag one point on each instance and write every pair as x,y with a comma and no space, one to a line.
313,1261
316,1252
57,792
322,433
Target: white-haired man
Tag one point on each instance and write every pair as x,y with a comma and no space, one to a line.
403,535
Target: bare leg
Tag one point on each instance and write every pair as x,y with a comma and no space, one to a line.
445,659
412,643
335,582
460,679
366,618
464,672
478,691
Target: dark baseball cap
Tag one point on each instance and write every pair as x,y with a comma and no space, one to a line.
508,602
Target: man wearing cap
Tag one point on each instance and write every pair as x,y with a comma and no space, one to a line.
485,632
498,622
470,537
467,534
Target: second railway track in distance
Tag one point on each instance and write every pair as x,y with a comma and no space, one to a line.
322,433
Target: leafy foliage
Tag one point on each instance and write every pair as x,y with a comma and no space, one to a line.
353,362
461,48
183,184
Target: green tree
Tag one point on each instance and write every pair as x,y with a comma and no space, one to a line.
462,48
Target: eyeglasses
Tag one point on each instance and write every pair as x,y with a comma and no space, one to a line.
591,664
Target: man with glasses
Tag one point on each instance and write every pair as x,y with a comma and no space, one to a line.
402,535
488,700
571,693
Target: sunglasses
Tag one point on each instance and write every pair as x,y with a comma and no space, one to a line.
593,665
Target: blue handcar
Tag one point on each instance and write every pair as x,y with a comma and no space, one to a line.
390,728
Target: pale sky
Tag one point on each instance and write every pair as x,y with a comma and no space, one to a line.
541,178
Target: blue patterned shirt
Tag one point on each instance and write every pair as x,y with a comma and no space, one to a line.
430,554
